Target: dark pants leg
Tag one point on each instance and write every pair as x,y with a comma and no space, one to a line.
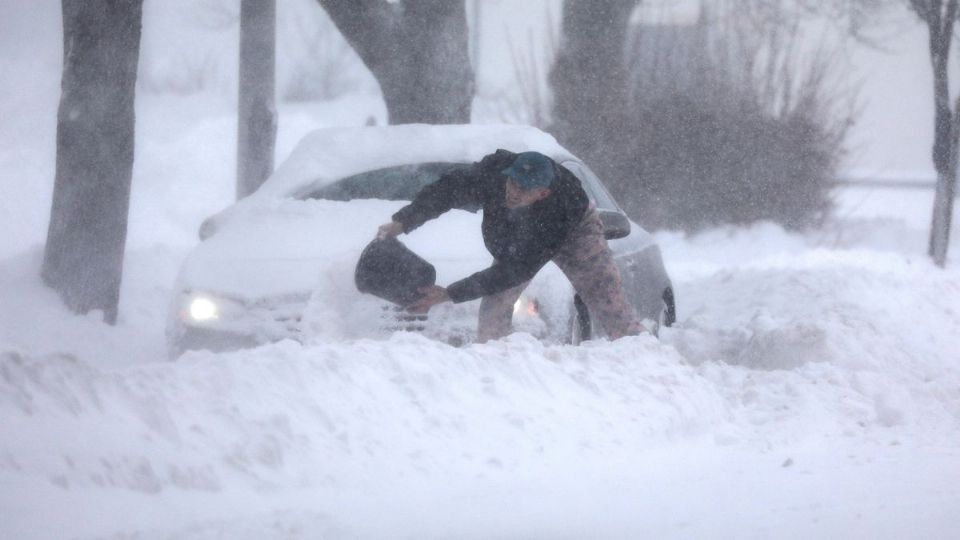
588,263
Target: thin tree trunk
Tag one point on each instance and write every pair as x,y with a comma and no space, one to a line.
257,116
944,197
940,20
83,258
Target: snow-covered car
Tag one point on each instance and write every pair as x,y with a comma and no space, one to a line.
279,264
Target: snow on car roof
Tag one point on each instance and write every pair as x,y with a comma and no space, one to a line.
329,154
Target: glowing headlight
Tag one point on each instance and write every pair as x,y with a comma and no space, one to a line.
526,305
203,309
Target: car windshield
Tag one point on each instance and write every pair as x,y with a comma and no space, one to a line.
403,182
592,185
400,183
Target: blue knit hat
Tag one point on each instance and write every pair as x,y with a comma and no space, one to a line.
531,170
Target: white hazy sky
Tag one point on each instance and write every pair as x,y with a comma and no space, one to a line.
894,134
892,138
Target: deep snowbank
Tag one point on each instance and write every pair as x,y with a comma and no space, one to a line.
806,387
873,338
839,363
289,415
825,344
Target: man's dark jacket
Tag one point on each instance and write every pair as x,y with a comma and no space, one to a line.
521,241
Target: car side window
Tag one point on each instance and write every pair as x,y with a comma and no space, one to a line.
593,186
398,183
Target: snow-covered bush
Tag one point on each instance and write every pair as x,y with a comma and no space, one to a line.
729,125
697,162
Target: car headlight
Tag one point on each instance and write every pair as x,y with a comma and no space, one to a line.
202,309
526,306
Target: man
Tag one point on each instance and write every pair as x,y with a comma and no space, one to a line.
534,211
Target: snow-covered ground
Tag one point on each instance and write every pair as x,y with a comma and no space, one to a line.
810,389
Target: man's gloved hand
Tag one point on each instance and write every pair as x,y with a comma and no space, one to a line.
429,297
389,230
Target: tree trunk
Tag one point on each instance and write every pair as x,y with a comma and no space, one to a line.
944,196
418,52
257,115
83,259
940,20
589,78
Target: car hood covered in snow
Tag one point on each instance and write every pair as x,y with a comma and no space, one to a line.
292,252
290,246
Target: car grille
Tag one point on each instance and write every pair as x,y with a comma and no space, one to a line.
396,318
276,318
282,318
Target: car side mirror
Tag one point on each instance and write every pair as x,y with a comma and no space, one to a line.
615,224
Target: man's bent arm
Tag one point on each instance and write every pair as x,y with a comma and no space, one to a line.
499,277
455,189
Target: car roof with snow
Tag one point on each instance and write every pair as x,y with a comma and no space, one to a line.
329,154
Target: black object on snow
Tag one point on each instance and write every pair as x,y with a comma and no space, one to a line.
389,270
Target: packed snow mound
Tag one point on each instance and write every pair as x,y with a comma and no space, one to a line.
343,412
849,354
856,309
784,350
874,336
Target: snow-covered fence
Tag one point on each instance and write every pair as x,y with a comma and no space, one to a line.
893,183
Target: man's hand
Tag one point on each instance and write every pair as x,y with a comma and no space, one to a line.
389,230
429,297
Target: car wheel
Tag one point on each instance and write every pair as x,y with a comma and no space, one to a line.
669,312
667,315
581,325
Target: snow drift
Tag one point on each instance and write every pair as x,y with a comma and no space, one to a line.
850,350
